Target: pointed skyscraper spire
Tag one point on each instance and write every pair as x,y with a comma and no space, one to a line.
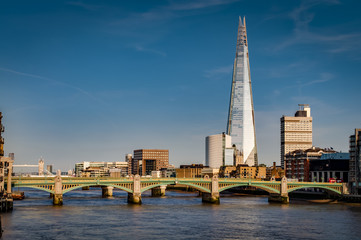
241,124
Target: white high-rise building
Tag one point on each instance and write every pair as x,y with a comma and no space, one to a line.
219,151
241,124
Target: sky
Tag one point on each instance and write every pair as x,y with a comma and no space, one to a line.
95,80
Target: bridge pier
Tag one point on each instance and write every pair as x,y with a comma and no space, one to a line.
283,196
6,204
210,198
58,199
58,190
159,191
107,191
213,196
136,196
278,198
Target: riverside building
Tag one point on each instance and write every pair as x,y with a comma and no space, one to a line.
101,169
355,161
241,124
129,160
219,151
190,171
333,166
297,163
147,160
296,132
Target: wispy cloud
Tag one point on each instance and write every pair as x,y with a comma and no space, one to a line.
337,42
86,6
50,80
149,50
151,25
104,105
324,77
174,9
218,72
193,5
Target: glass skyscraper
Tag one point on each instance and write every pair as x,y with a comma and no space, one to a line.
240,123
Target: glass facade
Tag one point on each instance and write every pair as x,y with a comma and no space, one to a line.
240,123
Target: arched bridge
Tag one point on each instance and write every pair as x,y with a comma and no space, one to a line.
135,186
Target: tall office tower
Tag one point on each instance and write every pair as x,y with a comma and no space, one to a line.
240,123
1,138
296,132
219,151
355,162
129,160
147,160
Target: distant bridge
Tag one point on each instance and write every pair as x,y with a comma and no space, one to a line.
135,186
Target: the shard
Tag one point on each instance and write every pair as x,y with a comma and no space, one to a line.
241,124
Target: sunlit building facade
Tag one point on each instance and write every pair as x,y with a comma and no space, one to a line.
147,160
296,132
241,123
219,151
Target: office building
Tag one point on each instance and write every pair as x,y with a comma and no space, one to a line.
219,151
297,162
331,167
100,169
227,171
245,171
189,171
296,132
355,161
169,172
241,123
147,160
129,160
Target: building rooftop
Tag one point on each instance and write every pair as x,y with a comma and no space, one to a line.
337,156
313,149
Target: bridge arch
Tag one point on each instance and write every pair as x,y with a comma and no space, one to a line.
200,188
39,188
245,184
103,184
315,186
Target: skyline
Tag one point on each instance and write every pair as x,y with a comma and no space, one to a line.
94,81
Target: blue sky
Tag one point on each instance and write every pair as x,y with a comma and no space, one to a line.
94,80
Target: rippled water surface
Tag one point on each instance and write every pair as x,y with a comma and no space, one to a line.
85,215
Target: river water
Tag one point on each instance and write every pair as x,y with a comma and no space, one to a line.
179,215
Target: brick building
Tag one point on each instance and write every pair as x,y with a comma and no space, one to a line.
147,160
297,163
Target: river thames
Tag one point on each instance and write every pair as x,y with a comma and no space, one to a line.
179,215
